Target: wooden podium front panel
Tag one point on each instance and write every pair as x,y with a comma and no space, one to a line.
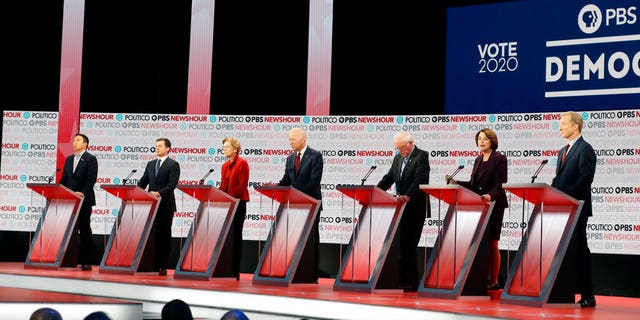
543,237
454,246
206,233
369,237
285,239
129,233
53,230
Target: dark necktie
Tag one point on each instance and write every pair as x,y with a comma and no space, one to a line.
158,163
404,164
296,164
564,155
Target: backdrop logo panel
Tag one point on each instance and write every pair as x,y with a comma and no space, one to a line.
543,56
350,145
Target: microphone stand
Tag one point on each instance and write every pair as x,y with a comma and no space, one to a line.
125,180
53,175
535,175
366,176
454,173
205,176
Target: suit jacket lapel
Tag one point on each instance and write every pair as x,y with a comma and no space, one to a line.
484,167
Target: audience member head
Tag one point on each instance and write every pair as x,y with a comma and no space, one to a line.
176,310
98,315
45,314
234,315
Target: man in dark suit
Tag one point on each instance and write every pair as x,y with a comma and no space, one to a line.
162,176
574,173
410,169
79,174
305,174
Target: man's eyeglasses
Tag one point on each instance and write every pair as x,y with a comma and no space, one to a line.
402,146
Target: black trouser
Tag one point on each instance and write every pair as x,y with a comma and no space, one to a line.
237,226
164,220
83,231
583,259
410,230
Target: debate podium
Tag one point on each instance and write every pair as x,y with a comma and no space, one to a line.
363,266
535,275
207,251
454,269
126,251
48,248
288,235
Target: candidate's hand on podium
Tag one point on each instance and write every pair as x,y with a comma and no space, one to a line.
155,193
79,193
486,197
448,179
403,198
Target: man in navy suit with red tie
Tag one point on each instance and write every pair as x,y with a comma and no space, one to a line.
79,174
162,176
303,171
574,173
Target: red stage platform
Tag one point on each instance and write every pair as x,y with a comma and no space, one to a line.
141,296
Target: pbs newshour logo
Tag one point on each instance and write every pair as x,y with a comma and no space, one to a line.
590,17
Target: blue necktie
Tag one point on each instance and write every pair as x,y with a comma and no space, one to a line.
157,166
404,164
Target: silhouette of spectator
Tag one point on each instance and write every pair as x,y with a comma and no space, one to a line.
234,315
45,314
98,315
176,309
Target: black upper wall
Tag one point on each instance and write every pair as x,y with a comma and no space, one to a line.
387,58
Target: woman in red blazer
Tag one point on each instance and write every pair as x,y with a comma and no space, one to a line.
234,180
488,175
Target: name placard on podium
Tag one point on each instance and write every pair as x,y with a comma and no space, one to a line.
536,268
48,248
128,240
377,222
454,254
206,252
288,235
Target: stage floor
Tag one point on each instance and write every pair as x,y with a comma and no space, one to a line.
141,296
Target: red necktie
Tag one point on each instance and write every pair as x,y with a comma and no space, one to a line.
564,155
296,164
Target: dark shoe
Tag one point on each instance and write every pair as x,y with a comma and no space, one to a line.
493,287
587,303
409,288
85,267
162,272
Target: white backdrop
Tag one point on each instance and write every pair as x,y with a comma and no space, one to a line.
350,145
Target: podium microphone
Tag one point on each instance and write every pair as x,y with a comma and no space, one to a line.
366,176
205,176
125,180
53,175
535,175
454,173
